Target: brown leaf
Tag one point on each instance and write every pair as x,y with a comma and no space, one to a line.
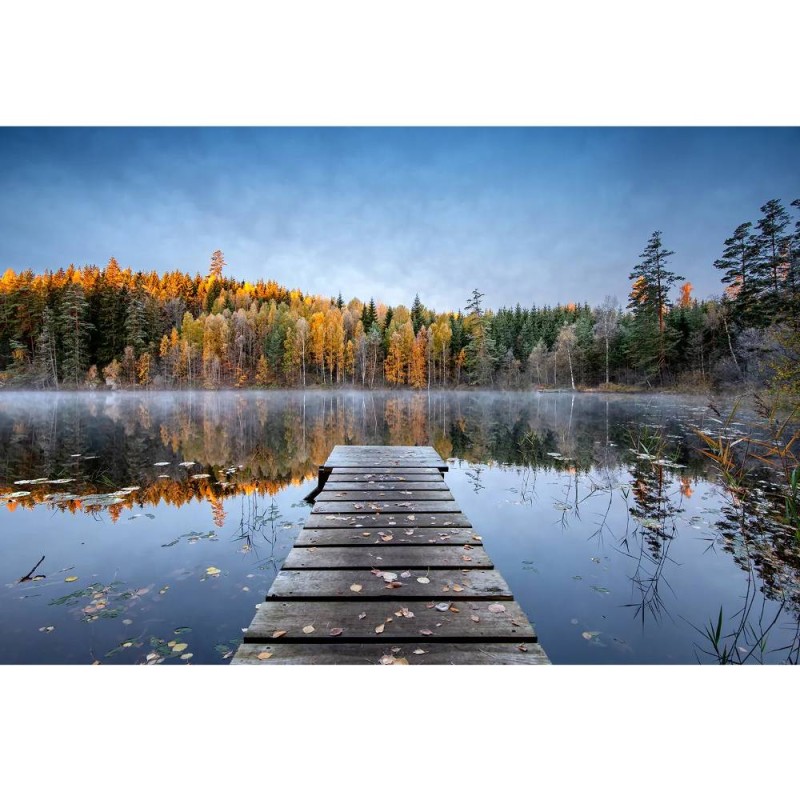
425,632
522,647
278,634
387,659
264,656
475,618
335,631
379,628
393,585
466,558
454,609
457,588
496,608
387,538
400,662
446,588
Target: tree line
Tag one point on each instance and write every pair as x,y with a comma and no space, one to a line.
90,326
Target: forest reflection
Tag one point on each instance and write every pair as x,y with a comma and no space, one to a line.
87,451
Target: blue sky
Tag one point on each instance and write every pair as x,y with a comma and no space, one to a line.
529,215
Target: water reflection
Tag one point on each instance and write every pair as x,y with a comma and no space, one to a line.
624,476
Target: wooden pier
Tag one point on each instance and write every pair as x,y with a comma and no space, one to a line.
388,570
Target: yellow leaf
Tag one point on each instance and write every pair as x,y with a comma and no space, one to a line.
180,647
356,587
70,579
278,634
212,571
264,656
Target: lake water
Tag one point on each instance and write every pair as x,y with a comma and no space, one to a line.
134,524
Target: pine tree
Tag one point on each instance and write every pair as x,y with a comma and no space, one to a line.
772,247
136,324
652,283
45,364
368,315
74,329
739,274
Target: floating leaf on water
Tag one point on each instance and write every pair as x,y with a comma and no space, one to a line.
127,622
308,629
577,578
496,608
589,635
187,656
182,630
47,629
213,571
278,634
161,464
70,579
356,587
601,589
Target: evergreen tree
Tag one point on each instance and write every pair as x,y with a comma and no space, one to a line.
417,314
738,264
73,330
772,245
136,326
369,315
650,296
45,364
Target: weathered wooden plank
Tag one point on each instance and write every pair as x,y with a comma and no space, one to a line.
378,477
291,654
401,557
387,521
395,472
385,486
381,620
384,537
455,585
386,507
333,495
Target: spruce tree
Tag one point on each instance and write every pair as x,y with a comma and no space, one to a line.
650,296
74,329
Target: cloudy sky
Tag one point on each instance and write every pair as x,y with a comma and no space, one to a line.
529,215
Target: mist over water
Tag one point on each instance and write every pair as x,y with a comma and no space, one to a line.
162,519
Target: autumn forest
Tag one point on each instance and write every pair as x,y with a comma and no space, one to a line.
91,327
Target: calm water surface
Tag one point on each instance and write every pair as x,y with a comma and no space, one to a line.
145,528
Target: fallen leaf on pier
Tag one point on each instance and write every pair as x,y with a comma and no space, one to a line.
379,628
426,632
362,615
423,580
523,648
420,652
405,574
308,629
457,588
278,634
356,587
475,618
264,656
336,631
442,606
496,608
